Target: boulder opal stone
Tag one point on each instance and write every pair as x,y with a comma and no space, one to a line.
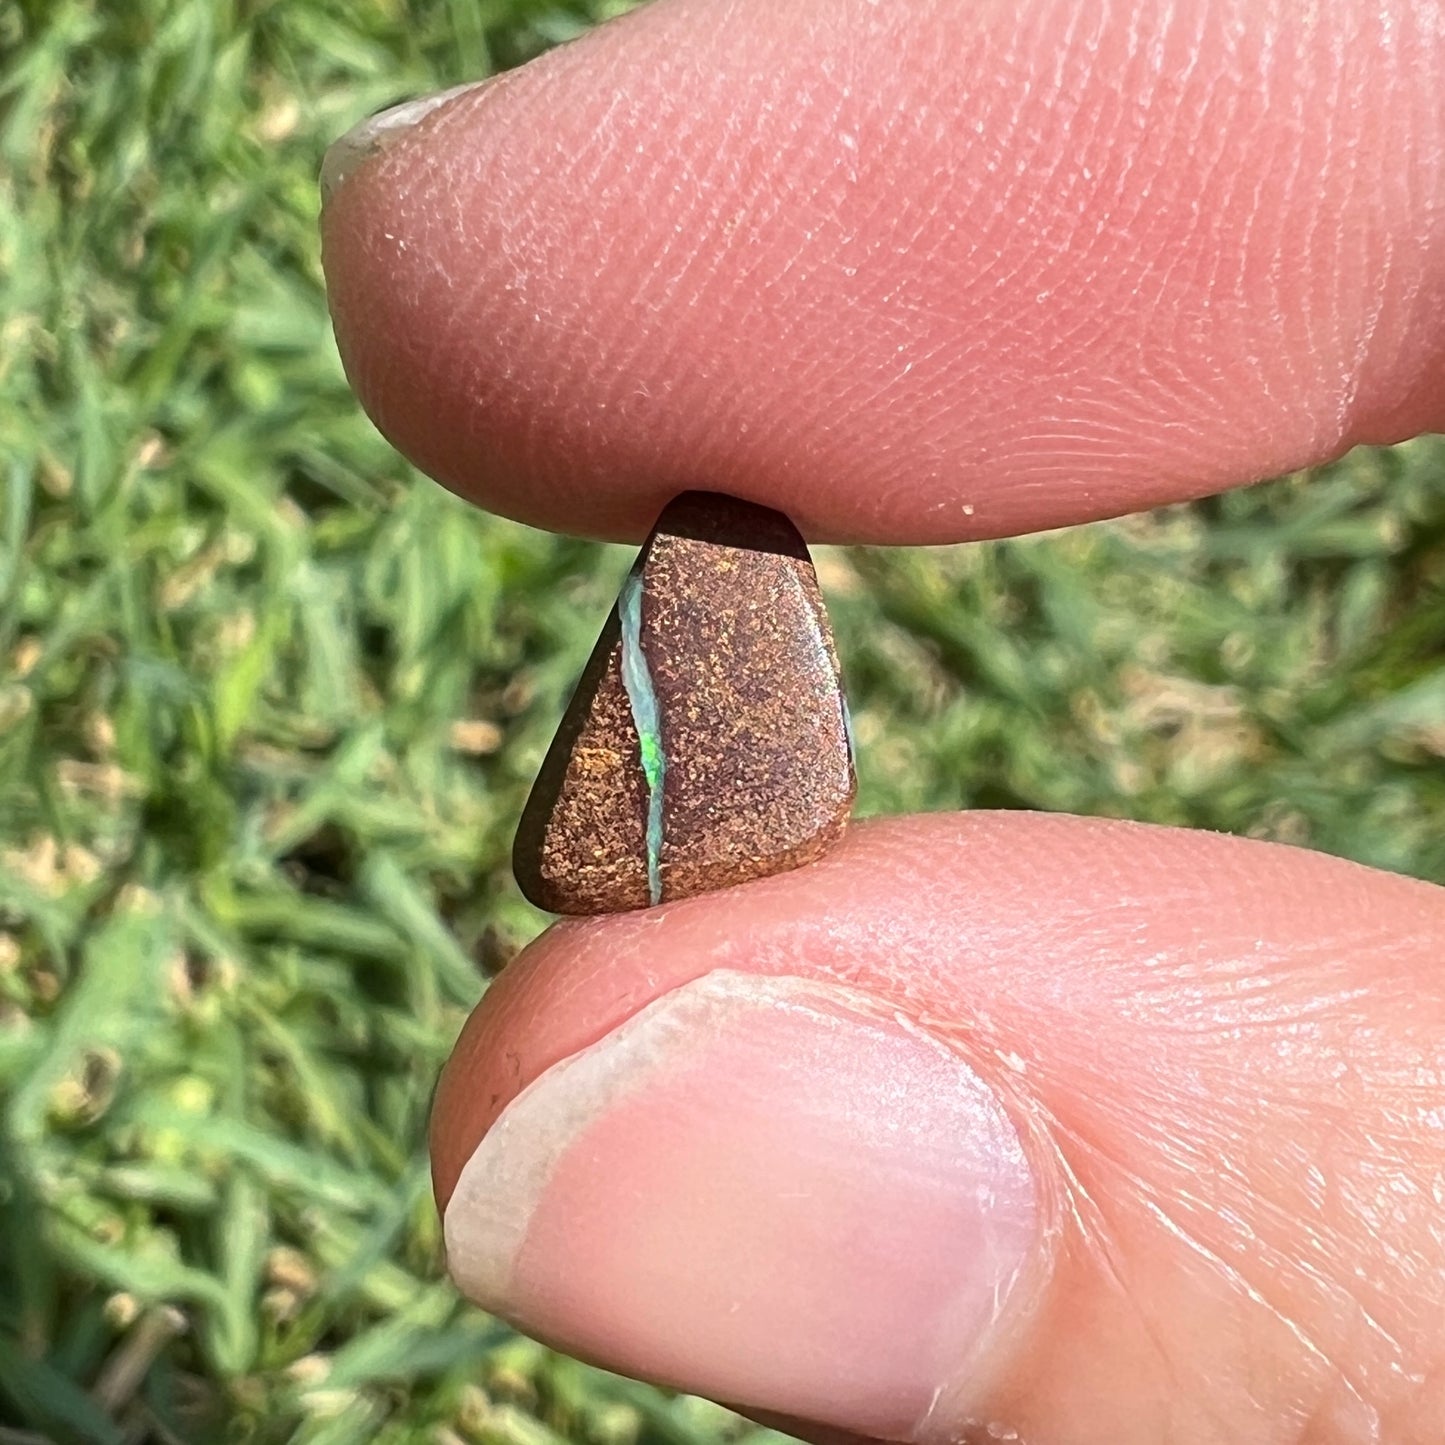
707,742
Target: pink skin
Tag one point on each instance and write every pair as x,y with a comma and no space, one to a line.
1224,1055
911,272
923,272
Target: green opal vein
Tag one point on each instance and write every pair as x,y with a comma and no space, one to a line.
642,699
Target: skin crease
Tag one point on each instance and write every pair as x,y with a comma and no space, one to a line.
928,272
1010,266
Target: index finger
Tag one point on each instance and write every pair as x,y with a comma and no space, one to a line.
909,273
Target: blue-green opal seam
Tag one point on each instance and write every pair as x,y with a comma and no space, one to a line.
642,700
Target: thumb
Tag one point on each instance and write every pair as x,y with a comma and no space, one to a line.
1086,1131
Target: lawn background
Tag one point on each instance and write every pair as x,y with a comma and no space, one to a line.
270,703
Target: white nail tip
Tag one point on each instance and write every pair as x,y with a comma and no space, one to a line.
372,136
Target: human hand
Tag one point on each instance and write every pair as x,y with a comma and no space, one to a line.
1089,1131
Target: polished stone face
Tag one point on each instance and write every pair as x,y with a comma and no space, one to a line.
707,742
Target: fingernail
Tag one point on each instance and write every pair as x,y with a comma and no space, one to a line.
762,1191
373,135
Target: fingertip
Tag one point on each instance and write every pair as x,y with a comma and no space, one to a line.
987,282
1194,1043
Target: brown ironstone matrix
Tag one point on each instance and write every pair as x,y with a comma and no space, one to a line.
708,740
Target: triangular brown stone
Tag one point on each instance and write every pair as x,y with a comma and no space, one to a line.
742,766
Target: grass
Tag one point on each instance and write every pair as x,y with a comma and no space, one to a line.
270,703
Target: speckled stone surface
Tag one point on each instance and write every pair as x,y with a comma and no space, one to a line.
707,742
